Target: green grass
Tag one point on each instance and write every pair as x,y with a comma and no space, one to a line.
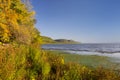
87,60
22,62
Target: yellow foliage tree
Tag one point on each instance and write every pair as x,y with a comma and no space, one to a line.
16,22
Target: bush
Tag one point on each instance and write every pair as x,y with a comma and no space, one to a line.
22,62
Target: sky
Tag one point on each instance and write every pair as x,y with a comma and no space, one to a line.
86,21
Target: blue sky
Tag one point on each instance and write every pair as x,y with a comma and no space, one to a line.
87,21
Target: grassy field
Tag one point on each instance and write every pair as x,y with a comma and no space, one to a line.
87,60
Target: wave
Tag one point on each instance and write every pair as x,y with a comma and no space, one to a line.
108,50
85,50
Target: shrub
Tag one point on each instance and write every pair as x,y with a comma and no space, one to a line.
22,62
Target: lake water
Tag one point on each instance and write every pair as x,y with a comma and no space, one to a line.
109,50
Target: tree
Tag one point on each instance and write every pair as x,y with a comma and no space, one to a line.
16,22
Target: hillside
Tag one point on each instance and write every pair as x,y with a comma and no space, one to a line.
48,40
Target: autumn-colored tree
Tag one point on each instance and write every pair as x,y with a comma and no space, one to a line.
16,22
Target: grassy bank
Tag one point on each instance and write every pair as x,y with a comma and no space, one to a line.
86,60
22,62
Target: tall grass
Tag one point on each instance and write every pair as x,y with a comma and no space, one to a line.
22,62
86,60
12,62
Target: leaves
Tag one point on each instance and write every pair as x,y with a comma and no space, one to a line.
16,22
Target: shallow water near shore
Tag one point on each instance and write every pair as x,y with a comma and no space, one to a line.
108,50
87,60
114,57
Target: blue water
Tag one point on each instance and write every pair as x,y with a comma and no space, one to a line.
109,50
101,48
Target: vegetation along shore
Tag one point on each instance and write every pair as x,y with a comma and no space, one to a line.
21,57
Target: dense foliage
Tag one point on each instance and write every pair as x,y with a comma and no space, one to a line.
35,64
16,22
21,57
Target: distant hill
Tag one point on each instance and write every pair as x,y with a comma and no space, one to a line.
48,40
66,41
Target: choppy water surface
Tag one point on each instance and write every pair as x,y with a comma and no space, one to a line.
109,50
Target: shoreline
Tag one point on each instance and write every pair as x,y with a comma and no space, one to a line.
87,60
